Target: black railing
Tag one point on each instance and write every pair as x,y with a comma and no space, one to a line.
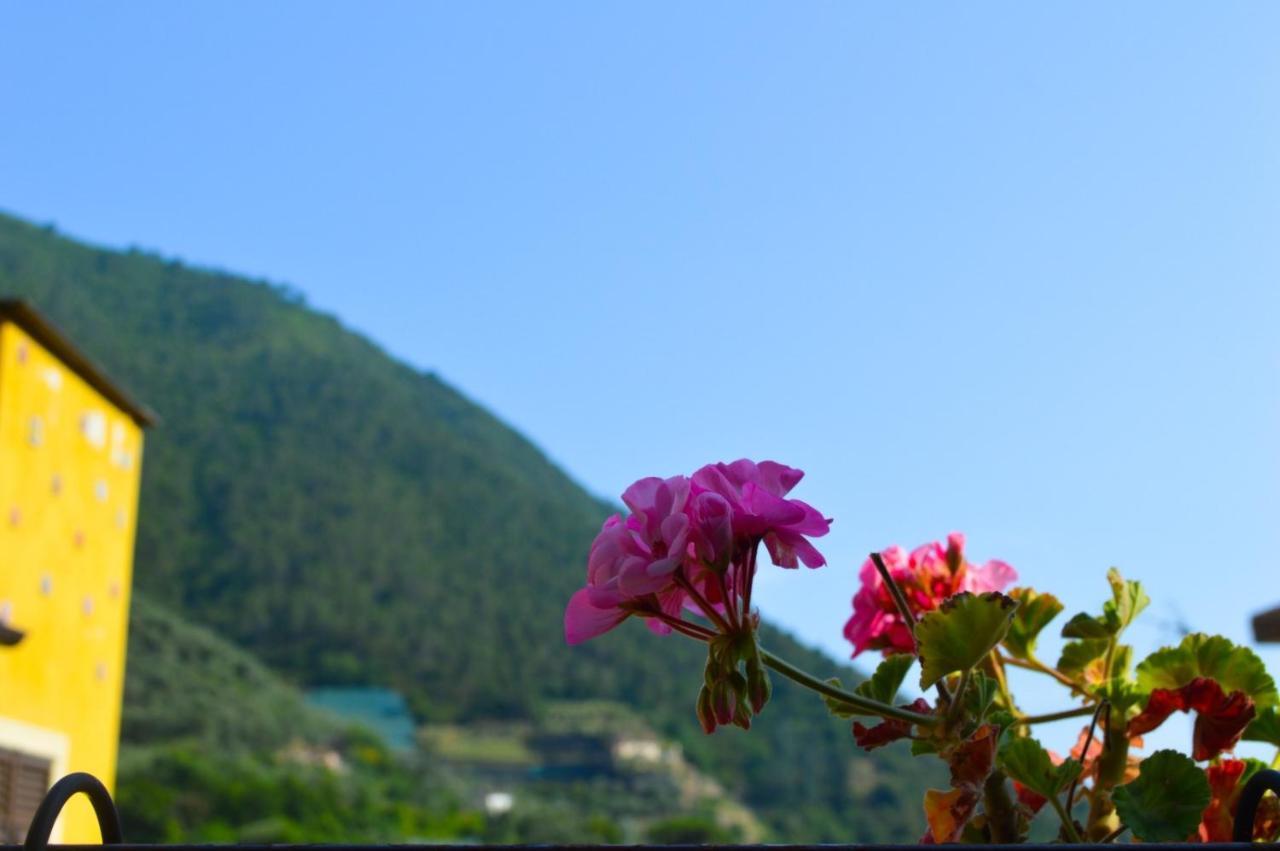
109,826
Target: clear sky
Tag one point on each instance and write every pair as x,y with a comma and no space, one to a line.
1005,268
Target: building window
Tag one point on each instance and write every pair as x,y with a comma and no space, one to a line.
24,780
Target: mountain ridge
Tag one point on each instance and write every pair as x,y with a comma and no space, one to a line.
350,519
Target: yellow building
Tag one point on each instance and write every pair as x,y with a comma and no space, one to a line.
70,459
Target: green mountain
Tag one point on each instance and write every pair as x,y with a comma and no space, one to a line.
348,519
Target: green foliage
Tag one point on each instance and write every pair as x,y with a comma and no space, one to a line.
1026,761
882,685
183,683
979,696
197,794
1165,802
1035,611
1079,655
1265,727
958,634
351,520
691,830
1126,603
1235,668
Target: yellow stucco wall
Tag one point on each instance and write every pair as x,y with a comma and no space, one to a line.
69,473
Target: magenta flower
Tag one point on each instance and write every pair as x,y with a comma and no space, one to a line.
928,575
691,544
757,495
632,564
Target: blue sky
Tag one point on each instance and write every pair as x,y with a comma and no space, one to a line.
1004,268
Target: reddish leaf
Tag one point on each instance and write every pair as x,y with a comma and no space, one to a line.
971,761
889,730
1219,817
1220,718
1033,801
1218,822
948,812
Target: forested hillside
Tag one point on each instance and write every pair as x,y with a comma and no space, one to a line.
348,519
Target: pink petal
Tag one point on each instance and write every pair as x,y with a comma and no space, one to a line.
995,575
583,621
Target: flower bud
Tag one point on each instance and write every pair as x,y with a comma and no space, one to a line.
955,552
723,702
742,717
706,717
759,689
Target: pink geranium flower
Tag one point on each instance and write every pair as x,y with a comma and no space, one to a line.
632,564
757,495
928,575
691,544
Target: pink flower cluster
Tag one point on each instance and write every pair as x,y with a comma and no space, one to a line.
927,576
691,543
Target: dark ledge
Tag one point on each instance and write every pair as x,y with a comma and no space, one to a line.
10,636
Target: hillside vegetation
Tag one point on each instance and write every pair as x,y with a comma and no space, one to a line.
347,519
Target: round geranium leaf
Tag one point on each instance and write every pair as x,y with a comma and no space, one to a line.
1035,611
1165,802
1236,668
961,632
1026,761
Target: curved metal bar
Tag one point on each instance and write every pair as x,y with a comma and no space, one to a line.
1258,785
79,782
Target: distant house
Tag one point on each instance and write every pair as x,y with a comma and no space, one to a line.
70,456
381,710
1266,626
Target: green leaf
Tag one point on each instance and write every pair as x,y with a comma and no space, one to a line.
1078,655
1265,728
1035,611
1025,760
979,696
1121,658
1127,601
959,633
1002,718
838,707
1121,694
1235,668
882,686
1165,802
922,747
1085,626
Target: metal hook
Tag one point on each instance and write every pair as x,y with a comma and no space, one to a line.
1258,785
42,822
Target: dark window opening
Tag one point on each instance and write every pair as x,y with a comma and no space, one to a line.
24,779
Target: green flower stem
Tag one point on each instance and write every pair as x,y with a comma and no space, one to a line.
996,668
957,703
904,609
1084,751
1067,824
707,609
1111,768
871,707
1040,667
1002,816
899,599
1078,712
